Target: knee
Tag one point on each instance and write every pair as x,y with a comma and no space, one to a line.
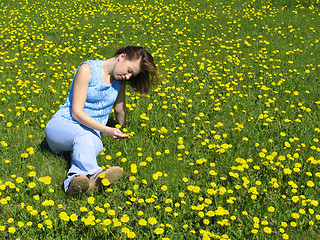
83,141
88,141
98,146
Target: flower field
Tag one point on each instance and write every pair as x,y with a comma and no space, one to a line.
225,146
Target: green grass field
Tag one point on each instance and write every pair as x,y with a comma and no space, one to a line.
226,146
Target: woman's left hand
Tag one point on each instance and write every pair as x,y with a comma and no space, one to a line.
116,133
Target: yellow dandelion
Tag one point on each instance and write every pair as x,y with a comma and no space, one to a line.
124,218
152,221
271,209
31,185
73,217
285,236
164,188
267,230
131,234
32,174
11,230
287,171
105,182
91,200
142,222
19,179
106,222
111,212
310,184
159,231
24,155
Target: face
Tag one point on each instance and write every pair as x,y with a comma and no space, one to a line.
125,69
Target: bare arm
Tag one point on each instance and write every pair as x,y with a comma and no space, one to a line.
120,105
80,91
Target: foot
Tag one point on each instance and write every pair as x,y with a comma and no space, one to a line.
78,184
105,177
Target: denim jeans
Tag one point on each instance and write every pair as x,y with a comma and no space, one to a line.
84,145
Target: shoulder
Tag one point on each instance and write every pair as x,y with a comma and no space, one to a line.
84,70
84,67
83,73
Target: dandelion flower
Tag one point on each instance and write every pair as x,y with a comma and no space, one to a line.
164,188
31,185
142,222
19,179
287,171
159,231
105,182
106,222
11,230
111,212
310,184
24,155
73,217
267,230
91,200
32,174
124,218
271,209
285,236
131,234
152,221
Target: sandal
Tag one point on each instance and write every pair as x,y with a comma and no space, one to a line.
105,178
78,184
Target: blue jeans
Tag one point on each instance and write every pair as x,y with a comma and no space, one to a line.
84,145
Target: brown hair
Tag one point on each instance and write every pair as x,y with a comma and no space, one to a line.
148,70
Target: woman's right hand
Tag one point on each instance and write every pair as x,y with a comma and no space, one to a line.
115,133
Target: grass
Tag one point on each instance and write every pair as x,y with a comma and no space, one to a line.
226,146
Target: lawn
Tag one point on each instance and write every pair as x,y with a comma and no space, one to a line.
225,146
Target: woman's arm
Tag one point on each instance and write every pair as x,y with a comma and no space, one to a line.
120,105
80,91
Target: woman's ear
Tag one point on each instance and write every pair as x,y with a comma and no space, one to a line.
122,56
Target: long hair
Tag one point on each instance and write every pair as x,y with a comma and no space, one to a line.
148,70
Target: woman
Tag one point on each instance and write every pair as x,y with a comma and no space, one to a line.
97,86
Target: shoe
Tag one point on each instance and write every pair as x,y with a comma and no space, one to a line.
105,178
78,184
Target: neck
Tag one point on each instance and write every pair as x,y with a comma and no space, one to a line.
108,65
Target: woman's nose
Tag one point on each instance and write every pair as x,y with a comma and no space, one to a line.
128,76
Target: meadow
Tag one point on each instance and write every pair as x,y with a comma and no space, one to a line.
225,146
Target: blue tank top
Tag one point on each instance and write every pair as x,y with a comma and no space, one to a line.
100,97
